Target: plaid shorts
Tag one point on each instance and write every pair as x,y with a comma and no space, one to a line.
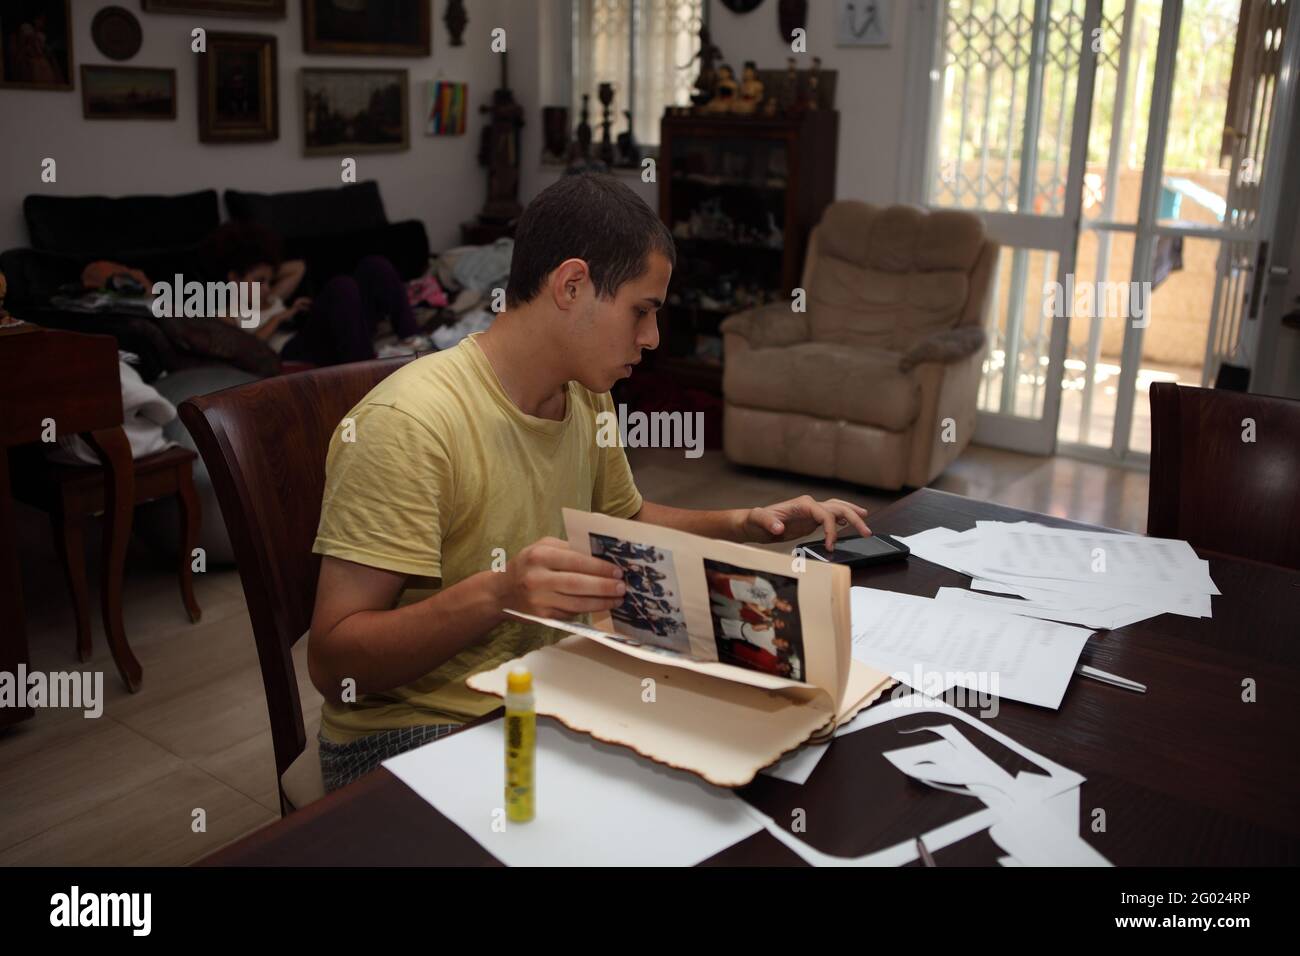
340,764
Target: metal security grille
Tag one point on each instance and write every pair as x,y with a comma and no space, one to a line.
1008,100
643,48
1003,146
1083,133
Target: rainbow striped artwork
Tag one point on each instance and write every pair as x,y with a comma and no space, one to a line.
446,115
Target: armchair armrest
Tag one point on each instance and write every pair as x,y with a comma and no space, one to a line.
950,345
769,326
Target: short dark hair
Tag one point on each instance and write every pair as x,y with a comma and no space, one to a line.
588,216
237,246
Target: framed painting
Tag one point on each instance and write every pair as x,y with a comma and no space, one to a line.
366,27
237,96
128,92
347,111
35,45
271,9
446,116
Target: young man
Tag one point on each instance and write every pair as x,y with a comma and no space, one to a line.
465,458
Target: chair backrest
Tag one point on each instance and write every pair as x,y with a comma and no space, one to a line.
888,277
1224,469
264,445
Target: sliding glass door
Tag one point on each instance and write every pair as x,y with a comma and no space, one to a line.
1120,152
1178,198
1009,98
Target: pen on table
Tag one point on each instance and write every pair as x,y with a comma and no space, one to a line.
1105,677
923,853
808,550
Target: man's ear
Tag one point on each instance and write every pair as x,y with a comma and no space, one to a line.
567,283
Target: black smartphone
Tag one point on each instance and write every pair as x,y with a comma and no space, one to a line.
859,551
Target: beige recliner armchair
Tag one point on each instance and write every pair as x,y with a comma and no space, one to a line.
859,386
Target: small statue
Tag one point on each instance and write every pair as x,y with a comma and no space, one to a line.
790,91
499,152
771,107
580,158
751,90
708,54
456,20
814,77
581,146
605,93
628,152
725,91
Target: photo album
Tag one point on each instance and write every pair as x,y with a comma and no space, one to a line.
721,658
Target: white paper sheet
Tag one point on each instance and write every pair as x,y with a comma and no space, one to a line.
1066,612
597,805
1156,599
797,766
1056,792
1059,779
900,854
1104,579
1015,657
1028,829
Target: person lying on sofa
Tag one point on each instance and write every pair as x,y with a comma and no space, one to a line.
339,325
466,457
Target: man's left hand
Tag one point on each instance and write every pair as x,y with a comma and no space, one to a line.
787,520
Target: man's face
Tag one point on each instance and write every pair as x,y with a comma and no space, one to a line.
611,334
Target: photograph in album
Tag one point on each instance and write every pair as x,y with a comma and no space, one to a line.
651,613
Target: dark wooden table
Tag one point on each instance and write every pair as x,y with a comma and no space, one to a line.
1187,773
71,381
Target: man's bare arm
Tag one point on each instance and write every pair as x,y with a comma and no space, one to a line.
726,524
783,521
357,633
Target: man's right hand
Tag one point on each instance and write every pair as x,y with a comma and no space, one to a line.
549,579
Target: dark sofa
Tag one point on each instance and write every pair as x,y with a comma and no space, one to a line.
331,229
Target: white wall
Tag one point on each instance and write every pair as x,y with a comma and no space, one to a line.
437,180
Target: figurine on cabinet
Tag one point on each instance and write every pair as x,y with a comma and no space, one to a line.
790,89
751,90
814,79
706,80
725,92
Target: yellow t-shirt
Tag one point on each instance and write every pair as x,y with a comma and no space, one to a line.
442,469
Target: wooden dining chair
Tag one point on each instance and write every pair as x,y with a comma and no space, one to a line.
264,444
1225,472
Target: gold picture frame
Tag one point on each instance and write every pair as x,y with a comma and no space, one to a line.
333,122
29,58
400,20
237,89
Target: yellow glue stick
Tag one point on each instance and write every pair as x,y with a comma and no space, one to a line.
521,743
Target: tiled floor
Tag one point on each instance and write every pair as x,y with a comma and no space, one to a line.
124,788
